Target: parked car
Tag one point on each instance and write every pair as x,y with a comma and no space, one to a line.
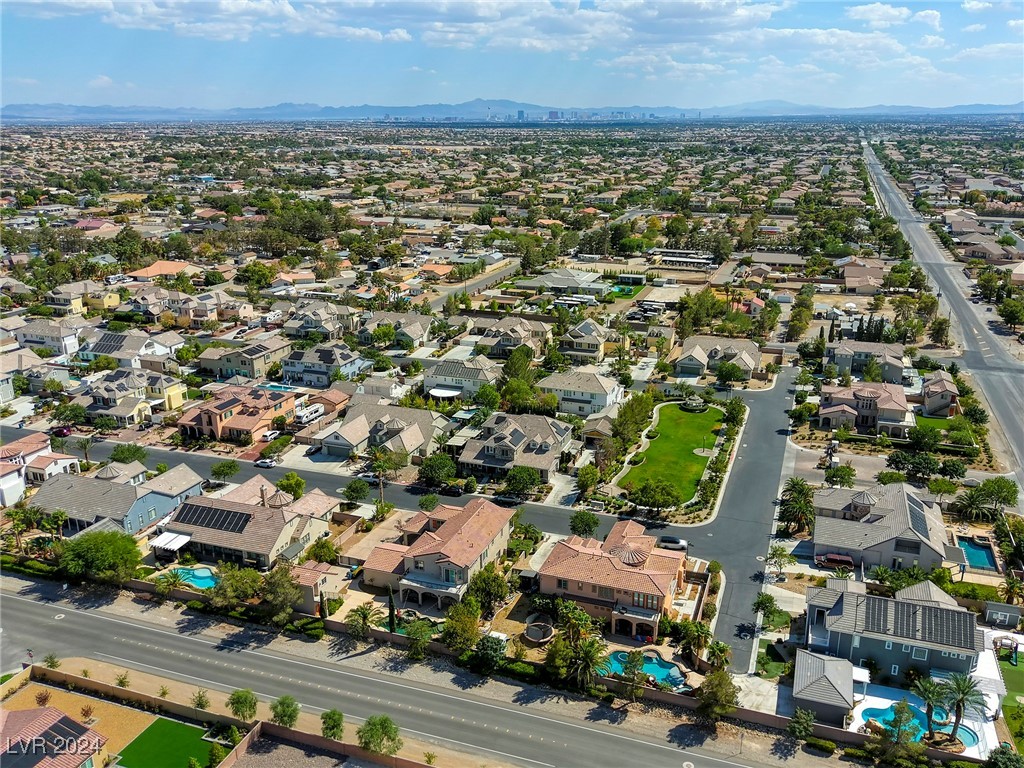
60,431
971,482
266,463
313,449
451,490
833,561
672,542
271,435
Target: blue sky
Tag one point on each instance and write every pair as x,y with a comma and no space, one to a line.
686,53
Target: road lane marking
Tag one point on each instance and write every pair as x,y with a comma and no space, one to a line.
382,680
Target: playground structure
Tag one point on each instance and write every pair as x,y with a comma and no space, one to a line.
1006,642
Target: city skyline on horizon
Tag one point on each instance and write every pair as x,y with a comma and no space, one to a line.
220,54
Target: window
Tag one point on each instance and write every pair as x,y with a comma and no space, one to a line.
128,525
606,592
945,654
895,670
563,583
152,513
920,654
906,648
888,645
418,564
856,641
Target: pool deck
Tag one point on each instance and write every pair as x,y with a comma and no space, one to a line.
882,697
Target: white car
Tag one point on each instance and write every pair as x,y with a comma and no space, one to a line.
271,435
266,463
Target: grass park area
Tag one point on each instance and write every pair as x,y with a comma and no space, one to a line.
166,744
1013,710
671,456
928,421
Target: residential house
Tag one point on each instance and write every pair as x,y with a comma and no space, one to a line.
237,414
130,347
368,425
131,396
411,329
78,297
164,269
216,305
461,378
59,336
568,282
442,550
324,319
627,582
585,342
826,686
30,461
699,354
130,508
940,394
851,357
920,628
45,737
506,441
320,365
888,525
582,393
311,578
253,362
253,526
499,338
866,407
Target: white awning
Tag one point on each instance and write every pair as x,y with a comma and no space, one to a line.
861,675
171,542
442,392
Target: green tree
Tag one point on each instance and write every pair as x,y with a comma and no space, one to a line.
235,585
109,556
281,594
924,439
765,604
1004,756
938,333
69,414
718,695
778,557
170,581
364,617
488,397
898,738
419,634
872,371
719,654
461,628
519,366
633,674
727,373
437,469
1012,312
332,725
557,658
126,453
292,484
380,735
323,551
656,494
584,523
963,695
796,505
285,711
801,724
243,704
356,491
940,486
488,654
216,755
590,659
841,476
223,471
488,587
521,480
587,478
201,699
428,501
932,694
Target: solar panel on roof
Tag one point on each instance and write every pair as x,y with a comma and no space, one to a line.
918,520
203,516
875,615
229,402
903,619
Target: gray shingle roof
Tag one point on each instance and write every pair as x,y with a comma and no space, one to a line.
86,498
924,624
823,679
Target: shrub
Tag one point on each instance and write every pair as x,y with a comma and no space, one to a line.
519,670
709,611
821,745
853,753
275,446
195,605
637,458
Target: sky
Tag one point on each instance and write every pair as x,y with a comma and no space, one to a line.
559,53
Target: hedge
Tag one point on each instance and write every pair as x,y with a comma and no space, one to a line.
275,446
28,567
821,745
854,753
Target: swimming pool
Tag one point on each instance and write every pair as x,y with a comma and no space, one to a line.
201,577
276,387
655,666
885,716
978,556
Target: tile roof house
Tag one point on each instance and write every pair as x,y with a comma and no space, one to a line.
164,268
45,737
367,425
237,414
850,356
506,441
581,392
940,395
443,549
825,685
888,525
892,634
866,407
318,366
253,533
461,378
699,354
585,342
627,580
30,460
252,361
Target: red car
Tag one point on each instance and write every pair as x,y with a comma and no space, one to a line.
61,431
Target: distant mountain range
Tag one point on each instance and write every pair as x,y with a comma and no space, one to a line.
475,110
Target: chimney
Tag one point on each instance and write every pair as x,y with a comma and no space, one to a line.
263,495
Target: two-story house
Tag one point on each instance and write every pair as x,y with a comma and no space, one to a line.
499,338
58,336
252,362
326,320
940,395
461,378
78,297
30,460
585,342
888,525
866,407
440,551
850,356
237,414
131,396
581,392
411,329
699,354
920,628
319,366
627,581
506,441
130,347
400,430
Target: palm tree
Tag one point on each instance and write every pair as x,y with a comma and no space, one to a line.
363,618
700,636
380,463
590,659
963,694
84,444
59,518
972,504
718,654
796,507
1011,589
22,520
170,581
882,574
933,694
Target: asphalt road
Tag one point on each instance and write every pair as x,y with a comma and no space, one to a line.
513,733
995,370
476,284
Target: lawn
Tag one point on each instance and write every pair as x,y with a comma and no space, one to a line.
627,291
778,620
775,666
671,457
1013,711
928,421
166,744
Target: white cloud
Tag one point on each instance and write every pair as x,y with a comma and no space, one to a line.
1007,51
974,28
931,41
101,81
932,18
1015,23
975,6
879,15
22,81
